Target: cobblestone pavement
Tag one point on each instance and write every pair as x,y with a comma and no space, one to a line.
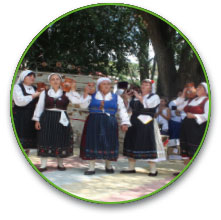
108,187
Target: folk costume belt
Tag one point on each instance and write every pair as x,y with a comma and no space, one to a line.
63,119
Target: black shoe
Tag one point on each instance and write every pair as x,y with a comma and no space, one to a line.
127,171
153,174
87,172
111,170
42,169
176,174
61,168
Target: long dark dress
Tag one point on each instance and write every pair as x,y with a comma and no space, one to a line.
191,132
139,141
55,139
100,135
24,125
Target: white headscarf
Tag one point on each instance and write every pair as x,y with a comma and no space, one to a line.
152,83
204,84
23,75
100,80
54,74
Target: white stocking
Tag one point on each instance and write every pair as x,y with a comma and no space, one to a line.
108,164
153,167
43,162
60,162
91,165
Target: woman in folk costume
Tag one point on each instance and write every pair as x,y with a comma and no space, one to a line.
194,124
100,140
55,136
25,98
143,140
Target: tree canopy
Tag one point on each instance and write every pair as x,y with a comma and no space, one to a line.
102,39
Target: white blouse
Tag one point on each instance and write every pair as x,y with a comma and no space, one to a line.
174,117
124,117
19,98
74,97
200,118
152,102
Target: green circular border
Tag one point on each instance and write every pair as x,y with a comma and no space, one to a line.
91,6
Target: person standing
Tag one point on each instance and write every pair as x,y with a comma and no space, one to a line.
25,98
55,135
162,116
194,124
100,138
143,140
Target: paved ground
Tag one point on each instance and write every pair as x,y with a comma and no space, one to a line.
108,187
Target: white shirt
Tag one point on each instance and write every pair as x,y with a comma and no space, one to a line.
200,118
124,117
19,98
74,97
152,102
162,121
174,117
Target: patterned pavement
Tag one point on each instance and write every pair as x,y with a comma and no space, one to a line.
104,187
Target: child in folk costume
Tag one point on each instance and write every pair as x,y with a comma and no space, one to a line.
143,140
163,116
194,124
100,140
55,135
25,98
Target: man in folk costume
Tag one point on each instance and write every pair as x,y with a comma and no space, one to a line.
25,98
194,124
100,137
143,139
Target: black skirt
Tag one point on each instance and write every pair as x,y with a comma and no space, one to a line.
100,138
191,135
25,127
54,139
139,141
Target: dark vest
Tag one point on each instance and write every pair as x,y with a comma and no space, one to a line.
59,103
138,108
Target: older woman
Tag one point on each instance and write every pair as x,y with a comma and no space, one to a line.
142,140
194,124
55,136
101,134
25,98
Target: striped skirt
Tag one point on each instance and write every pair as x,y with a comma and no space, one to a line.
139,141
191,135
25,127
54,139
100,138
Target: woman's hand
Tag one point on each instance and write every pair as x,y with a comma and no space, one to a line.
190,115
124,128
37,125
86,91
35,95
138,96
73,85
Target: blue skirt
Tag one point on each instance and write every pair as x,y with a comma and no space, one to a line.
174,129
100,138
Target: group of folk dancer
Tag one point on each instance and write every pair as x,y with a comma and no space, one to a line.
41,122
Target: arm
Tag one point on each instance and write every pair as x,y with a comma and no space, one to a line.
200,118
19,98
39,107
168,116
152,102
74,97
125,120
